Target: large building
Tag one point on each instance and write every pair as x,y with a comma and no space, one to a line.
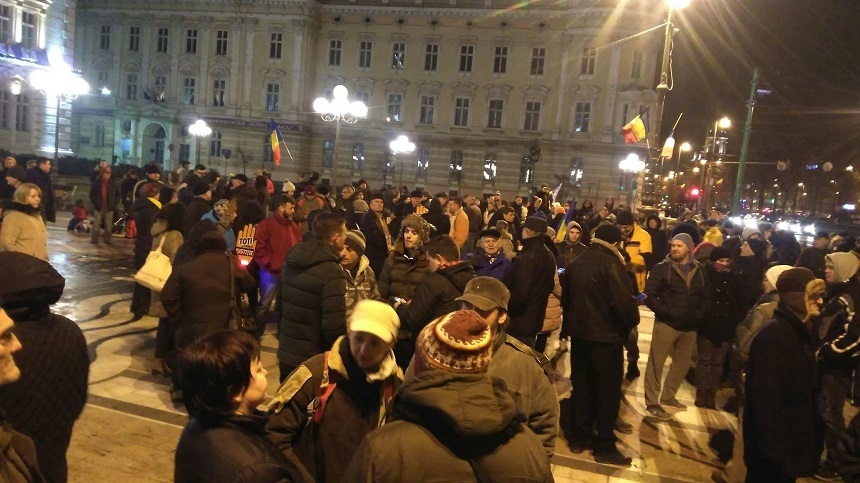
495,94
35,36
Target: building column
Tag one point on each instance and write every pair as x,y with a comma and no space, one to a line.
248,70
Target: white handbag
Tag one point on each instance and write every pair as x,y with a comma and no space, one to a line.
155,272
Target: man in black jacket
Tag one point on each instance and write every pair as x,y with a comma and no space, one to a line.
375,229
199,206
437,293
313,295
599,309
782,428
104,196
41,177
530,280
677,291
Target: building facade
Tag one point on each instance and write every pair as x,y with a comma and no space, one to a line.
495,95
34,35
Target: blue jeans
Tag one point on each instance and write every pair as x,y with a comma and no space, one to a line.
269,283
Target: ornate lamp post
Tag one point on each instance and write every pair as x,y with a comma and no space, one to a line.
61,84
199,129
339,109
631,165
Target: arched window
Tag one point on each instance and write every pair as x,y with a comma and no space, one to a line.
328,153
423,162
455,169
576,172
215,144
490,167
358,156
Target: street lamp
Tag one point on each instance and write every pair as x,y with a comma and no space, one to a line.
401,145
60,83
339,109
663,87
631,165
722,123
199,129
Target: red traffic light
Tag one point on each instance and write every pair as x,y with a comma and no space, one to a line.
694,192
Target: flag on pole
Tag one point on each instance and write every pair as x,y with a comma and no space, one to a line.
669,147
634,131
556,191
276,142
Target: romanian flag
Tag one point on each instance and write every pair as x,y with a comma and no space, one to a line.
634,131
276,142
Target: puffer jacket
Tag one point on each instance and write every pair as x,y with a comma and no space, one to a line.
434,297
172,241
197,295
24,231
597,298
234,449
678,300
567,252
362,286
313,295
485,266
444,420
727,309
402,274
552,319
355,408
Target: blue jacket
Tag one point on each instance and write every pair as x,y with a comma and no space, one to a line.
484,267
229,236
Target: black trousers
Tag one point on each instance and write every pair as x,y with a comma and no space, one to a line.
596,370
285,371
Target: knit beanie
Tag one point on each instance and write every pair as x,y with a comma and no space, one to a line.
625,218
28,281
685,239
356,240
749,231
151,169
758,247
844,265
221,207
719,253
459,342
609,233
289,187
201,188
772,274
374,317
536,224
794,280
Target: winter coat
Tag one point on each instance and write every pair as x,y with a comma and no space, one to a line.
362,286
18,462
401,274
567,252
752,324
836,332
370,225
459,224
275,237
720,322
677,299
486,266
552,319
194,213
144,211
355,408
750,272
233,449
313,291
782,427
305,207
172,241
197,295
638,246
54,362
434,297
444,424
522,369
96,195
476,220
530,281
438,218
43,181
228,232
598,302
24,231
659,240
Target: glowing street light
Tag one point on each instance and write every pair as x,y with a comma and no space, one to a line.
199,129
339,109
61,83
401,145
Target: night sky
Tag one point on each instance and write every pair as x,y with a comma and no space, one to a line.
808,52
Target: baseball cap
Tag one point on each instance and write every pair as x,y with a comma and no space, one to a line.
486,293
375,318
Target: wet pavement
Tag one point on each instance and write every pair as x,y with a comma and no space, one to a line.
130,427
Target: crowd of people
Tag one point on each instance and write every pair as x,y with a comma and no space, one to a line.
413,329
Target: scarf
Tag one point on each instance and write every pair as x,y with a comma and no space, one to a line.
155,202
387,368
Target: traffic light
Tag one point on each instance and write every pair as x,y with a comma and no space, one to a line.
693,193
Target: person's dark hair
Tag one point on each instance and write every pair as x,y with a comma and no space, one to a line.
211,241
250,213
505,210
324,190
172,213
261,182
283,198
214,370
41,161
435,207
327,225
213,175
443,245
456,199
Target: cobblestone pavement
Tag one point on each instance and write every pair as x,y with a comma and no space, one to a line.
129,429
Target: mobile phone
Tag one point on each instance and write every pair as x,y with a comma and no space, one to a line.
641,296
561,270
399,300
